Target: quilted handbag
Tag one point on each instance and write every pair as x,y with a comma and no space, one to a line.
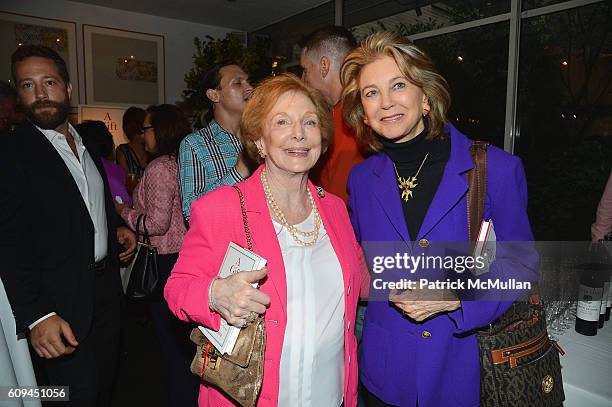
519,364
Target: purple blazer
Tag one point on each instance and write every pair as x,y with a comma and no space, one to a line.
399,362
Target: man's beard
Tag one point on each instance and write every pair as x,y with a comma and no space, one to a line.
48,120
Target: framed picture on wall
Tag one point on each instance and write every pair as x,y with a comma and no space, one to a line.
17,30
123,67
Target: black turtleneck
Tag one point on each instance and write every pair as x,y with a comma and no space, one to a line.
407,158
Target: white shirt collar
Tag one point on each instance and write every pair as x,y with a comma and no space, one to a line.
51,134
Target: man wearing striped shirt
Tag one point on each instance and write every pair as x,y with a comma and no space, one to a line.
212,156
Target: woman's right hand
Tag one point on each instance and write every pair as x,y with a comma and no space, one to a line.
234,297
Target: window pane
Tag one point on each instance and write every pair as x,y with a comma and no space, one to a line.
531,4
284,35
565,117
369,16
475,64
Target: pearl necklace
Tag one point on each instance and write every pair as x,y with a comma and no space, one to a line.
280,216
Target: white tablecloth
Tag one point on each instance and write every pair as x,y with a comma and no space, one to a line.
587,368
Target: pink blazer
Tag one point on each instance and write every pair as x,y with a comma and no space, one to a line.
216,220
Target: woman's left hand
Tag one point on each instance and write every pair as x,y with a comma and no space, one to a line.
420,304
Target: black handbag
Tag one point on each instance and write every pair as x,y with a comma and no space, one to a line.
144,278
519,364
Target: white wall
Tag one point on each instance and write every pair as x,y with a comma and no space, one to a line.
178,34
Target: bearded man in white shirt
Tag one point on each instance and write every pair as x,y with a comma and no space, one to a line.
60,236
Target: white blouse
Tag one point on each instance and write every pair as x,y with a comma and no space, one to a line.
312,360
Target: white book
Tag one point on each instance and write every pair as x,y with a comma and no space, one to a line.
485,247
236,259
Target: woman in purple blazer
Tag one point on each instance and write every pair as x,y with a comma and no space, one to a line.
413,189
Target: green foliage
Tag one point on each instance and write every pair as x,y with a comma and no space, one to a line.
208,51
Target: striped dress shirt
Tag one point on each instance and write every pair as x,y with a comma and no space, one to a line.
206,161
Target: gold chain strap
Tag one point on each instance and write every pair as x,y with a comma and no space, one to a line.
245,220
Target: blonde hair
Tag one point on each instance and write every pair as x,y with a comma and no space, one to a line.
264,98
414,64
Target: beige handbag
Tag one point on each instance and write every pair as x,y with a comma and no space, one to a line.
239,375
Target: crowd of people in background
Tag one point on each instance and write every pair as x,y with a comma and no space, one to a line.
360,120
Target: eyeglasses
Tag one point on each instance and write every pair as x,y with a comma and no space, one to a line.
145,128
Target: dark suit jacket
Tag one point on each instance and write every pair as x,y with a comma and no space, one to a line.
46,232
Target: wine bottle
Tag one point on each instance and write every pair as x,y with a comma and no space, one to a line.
604,298
603,255
608,241
590,294
609,302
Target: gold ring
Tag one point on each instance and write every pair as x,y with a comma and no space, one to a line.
250,318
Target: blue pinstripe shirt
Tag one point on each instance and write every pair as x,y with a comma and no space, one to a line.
206,162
